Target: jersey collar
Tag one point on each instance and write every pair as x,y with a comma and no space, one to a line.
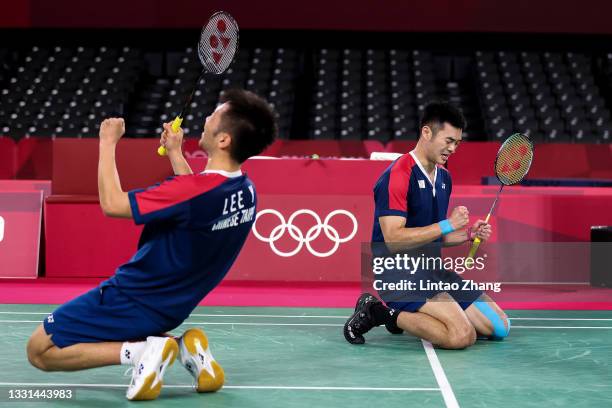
433,185
228,174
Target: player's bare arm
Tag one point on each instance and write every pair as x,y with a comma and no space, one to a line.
113,200
395,231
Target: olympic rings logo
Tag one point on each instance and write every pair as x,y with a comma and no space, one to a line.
313,233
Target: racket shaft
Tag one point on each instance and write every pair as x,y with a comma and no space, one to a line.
178,121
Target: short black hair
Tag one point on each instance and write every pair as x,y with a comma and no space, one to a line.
437,113
251,122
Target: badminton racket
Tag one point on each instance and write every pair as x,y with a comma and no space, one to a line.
216,50
512,164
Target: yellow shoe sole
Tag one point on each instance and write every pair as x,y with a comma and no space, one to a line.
206,381
148,391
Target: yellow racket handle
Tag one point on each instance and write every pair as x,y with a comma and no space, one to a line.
476,242
176,125
474,248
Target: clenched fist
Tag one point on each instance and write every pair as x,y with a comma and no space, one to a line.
111,130
171,140
481,230
459,217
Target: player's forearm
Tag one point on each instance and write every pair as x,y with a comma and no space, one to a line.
413,237
109,185
179,163
455,238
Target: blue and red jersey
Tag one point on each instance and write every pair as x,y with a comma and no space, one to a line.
195,226
405,190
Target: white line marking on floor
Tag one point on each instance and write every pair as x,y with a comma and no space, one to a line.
25,313
324,324
271,316
562,327
268,324
445,387
560,319
336,317
20,321
217,315
215,323
244,387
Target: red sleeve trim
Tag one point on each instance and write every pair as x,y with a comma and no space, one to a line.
399,180
175,191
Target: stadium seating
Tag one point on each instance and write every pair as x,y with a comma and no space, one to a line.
66,91
550,96
325,93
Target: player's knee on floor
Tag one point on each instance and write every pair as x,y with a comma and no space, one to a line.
35,349
500,325
460,337
35,358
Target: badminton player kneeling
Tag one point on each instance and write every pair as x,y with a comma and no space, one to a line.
411,204
194,228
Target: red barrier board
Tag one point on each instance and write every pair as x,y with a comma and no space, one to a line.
20,221
81,241
139,165
326,207
27,185
34,158
75,165
8,158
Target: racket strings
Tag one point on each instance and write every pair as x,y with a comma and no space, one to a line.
514,159
218,43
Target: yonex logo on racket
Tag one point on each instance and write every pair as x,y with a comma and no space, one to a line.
513,152
218,42
217,39
305,238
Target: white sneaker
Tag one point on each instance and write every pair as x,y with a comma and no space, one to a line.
147,378
195,356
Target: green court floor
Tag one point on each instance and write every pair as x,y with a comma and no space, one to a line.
287,357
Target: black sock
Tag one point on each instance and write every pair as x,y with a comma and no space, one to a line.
383,315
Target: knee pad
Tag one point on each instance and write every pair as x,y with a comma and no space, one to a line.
499,329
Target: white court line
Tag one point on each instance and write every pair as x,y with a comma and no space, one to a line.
324,324
272,316
560,319
268,324
445,387
337,317
216,315
243,387
216,323
562,327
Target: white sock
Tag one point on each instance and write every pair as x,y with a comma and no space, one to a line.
131,352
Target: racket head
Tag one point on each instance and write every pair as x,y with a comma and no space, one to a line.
514,159
218,43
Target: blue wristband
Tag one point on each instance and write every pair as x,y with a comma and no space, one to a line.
446,227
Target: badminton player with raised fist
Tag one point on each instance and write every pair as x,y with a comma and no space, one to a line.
411,216
194,227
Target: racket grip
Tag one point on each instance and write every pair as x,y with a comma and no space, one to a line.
476,242
474,248
176,125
